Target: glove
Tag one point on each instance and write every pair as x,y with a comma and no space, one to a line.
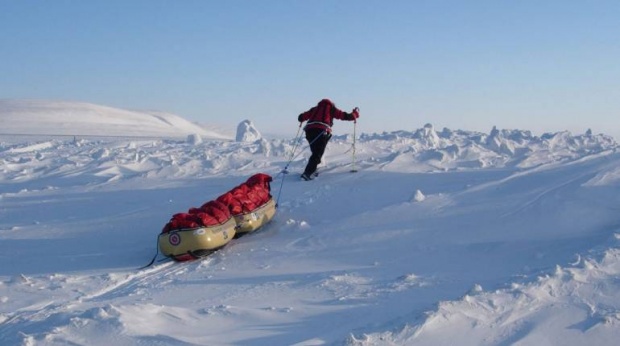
300,119
355,113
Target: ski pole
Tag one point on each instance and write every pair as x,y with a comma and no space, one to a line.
285,170
297,140
353,170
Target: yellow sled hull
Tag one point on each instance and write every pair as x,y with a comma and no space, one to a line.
196,242
252,221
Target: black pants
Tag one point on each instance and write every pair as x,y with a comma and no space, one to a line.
318,139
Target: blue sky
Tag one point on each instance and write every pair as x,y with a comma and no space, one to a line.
533,65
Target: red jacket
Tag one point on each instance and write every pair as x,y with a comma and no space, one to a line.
322,116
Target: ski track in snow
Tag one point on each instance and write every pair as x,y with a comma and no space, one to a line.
353,258
113,287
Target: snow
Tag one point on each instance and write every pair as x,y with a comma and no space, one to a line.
247,132
441,237
85,119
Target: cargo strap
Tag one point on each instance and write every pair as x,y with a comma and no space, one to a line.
183,257
328,127
154,257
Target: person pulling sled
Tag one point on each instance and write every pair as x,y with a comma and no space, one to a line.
320,120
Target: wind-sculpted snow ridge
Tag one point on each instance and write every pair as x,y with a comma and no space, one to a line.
447,150
97,161
584,296
104,160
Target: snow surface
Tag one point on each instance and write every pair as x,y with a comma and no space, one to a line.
440,238
85,119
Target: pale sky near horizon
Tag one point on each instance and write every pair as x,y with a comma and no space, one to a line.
543,66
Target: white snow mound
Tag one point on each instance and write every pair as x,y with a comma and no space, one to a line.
247,132
42,117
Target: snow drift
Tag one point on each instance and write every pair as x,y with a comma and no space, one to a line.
40,117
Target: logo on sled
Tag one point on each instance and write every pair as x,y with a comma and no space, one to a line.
174,239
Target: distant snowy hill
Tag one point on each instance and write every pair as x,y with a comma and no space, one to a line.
41,117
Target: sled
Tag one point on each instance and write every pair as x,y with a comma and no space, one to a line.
191,243
251,221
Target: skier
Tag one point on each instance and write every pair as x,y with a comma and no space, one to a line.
318,130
